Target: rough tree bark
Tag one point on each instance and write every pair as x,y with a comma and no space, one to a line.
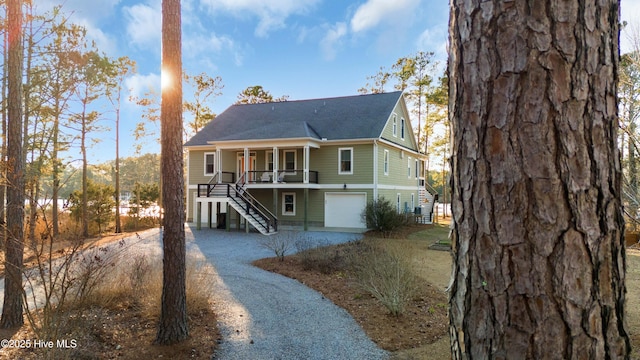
538,260
173,318
14,245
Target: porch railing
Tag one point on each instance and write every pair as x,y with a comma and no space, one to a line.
284,176
225,177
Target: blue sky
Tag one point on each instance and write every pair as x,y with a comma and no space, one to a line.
300,48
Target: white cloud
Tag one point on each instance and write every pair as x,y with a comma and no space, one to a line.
199,44
138,85
332,39
435,40
375,12
272,14
144,26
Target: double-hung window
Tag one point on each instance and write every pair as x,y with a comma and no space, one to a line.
289,203
209,163
269,161
386,162
402,129
289,161
395,125
345,161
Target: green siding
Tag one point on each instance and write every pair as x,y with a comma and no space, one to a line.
405,197
325,161
397,167
387,132
196,167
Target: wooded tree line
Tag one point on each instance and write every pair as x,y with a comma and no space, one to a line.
72,93
425,84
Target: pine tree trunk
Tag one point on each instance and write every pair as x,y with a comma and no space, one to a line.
538,260
12,306
3,149
118,229
173,318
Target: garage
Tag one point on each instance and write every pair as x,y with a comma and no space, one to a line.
344,210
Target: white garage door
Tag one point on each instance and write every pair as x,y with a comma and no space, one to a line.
344,210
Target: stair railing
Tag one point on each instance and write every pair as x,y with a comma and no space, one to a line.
214,178
251,203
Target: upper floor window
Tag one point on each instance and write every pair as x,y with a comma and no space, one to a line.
345,161
289,160
395,125
402,129
386,162
417,169
209,163
269,161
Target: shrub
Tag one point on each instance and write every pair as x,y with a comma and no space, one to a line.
381,215
280,243
385,275
319,256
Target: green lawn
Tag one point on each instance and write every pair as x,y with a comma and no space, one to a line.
439,233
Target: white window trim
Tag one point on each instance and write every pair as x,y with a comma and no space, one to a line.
385,162
413,202
266,160
284,161
417,168
409,167
205,163
340,172
402,122
284,205
399,203
395,125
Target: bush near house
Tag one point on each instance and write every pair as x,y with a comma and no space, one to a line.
382,216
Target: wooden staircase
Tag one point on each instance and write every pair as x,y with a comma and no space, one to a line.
246,205
427,196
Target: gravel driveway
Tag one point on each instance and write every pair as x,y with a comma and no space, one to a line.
268,316
263,315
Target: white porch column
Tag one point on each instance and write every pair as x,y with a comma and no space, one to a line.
246,165
305,155
219,165
275,164
375,170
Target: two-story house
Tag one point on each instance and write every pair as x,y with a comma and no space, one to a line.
309,163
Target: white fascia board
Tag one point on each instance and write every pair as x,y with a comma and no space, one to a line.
406,149
265,143
199,147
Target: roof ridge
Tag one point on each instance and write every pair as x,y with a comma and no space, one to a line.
320,98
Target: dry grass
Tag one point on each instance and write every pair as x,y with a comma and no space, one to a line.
327,270
118,318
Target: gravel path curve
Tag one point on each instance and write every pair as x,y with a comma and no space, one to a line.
268,316
263,315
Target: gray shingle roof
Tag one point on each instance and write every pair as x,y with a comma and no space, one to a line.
340,118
